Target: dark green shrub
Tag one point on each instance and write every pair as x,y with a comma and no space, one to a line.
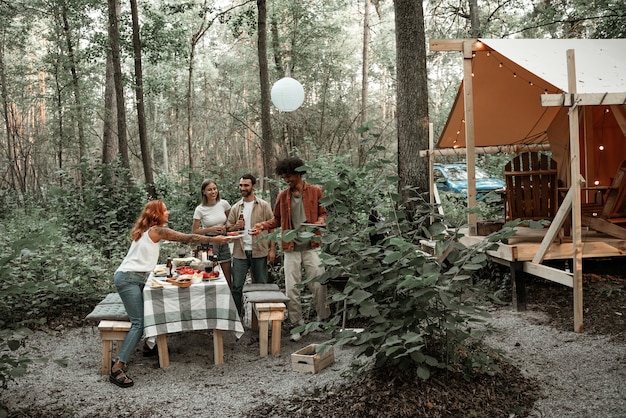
419,309
101,213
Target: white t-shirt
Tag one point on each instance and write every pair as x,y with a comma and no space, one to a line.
247,217
212,215
142,255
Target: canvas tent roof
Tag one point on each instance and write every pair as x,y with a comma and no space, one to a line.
509,75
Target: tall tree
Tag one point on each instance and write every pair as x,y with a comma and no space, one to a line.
364,77
75,81
412,96
146,158
114,42
110,140
267,139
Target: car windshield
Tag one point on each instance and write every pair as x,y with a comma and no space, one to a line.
459,173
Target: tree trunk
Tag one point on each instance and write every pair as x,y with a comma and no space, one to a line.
364,80
141,110
109,134
266,122
76,86
474,19
114,40
13,168
412,97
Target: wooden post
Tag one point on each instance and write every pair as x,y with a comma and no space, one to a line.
577,258
518,280
468,91
431,180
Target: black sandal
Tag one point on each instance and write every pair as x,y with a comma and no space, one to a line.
119,378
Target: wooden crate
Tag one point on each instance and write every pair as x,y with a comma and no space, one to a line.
305,360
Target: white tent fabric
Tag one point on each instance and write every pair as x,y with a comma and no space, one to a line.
600,63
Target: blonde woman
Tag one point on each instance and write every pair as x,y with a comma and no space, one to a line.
210,218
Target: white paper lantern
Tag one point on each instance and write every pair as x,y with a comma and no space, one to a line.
287,94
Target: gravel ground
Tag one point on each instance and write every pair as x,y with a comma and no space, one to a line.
191,385
581,375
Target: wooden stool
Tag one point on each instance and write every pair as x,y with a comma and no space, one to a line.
264,312
111,331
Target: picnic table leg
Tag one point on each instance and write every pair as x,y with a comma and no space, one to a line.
218,347
164,356
263,331
276,334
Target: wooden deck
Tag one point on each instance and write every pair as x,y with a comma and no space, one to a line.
524,245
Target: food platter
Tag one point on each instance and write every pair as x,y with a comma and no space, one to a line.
313,225
160,271
208,277
236,234
179,282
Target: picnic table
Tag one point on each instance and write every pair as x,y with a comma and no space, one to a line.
208,305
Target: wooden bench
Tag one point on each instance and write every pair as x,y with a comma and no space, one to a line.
268,304
111,331
113,326
264,312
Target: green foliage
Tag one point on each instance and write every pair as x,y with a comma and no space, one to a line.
12,363
101,212
420,310
455,209
46,274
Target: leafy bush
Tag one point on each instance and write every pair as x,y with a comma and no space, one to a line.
12,364
420,309
47,273
101,213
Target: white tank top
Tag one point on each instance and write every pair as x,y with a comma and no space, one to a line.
142,256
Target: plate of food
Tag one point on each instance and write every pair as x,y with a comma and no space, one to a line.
180,281
186,261
313,225
236,234
160,271
211,275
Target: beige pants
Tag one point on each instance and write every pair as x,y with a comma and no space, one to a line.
294,262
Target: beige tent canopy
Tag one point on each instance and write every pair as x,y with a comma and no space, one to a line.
508,78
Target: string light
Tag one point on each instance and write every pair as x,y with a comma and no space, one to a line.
531,83
601,147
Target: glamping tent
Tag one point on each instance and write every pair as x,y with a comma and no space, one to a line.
565,94
510,75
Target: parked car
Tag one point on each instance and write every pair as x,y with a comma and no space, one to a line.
453,178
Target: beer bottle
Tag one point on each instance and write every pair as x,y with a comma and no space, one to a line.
168,266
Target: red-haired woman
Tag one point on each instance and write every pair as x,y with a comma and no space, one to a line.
131,275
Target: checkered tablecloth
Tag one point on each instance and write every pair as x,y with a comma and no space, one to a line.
206,305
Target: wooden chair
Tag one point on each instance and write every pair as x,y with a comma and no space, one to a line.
613,213
531,187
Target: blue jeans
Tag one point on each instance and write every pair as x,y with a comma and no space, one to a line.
222,251
130,285
240,269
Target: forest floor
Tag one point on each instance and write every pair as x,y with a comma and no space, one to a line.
547,370
512,392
